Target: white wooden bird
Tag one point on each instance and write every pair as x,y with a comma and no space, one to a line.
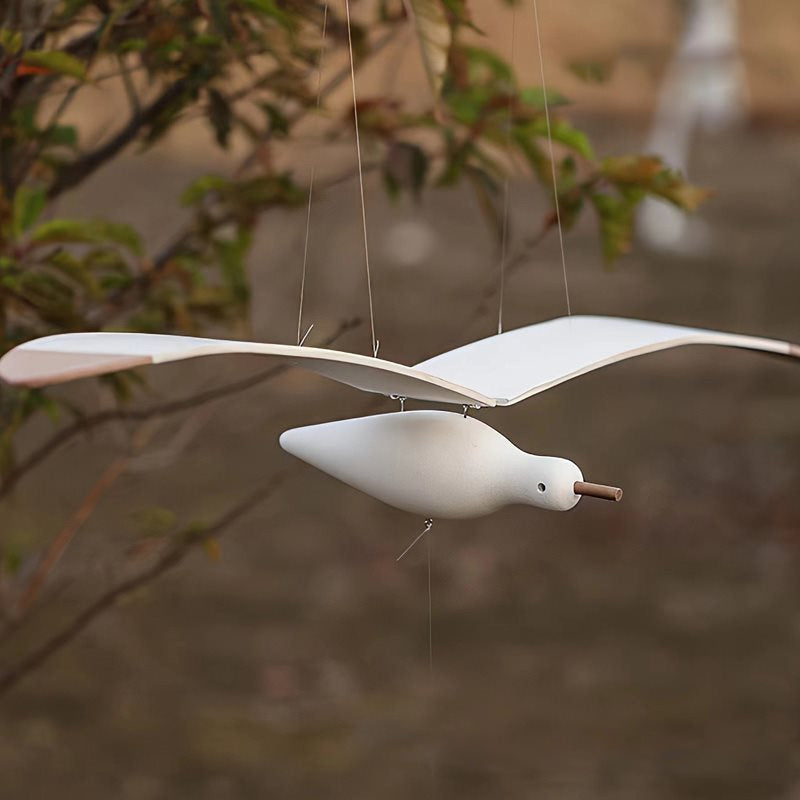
438,464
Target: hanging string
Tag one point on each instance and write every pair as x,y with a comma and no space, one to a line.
302,339
375,342
429,547
552,157
504,232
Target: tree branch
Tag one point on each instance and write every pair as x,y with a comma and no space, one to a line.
168,560
72,174
57,547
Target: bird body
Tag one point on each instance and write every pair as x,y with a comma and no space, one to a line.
437,464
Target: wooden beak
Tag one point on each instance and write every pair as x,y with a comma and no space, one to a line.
599,490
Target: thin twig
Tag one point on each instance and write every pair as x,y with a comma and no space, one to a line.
168,560
77,520
56,548
130,89
74,173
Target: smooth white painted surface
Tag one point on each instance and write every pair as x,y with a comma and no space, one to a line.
64,357
436,464
515,365
499,370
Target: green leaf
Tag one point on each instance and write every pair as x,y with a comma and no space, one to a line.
534,96
616,217
221,16
631,169
278,121
29,203
75,269
682,194
570,194
134,45
155,522
486,66
561,131
576,140
90,231
271,9
456,156
65,135
12,560
231,254
435,37
467,105
10,41
50,407
123,384
198,189
594,72
55,61
650,174
529,145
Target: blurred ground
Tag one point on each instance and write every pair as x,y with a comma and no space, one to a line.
646,650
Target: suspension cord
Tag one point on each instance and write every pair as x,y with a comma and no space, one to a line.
429,548
375,342
504,232
301,339
552,157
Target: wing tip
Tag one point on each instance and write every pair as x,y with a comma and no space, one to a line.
35,368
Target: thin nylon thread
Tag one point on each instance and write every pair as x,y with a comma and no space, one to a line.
429,547
552,157
300,339
504,232
375,342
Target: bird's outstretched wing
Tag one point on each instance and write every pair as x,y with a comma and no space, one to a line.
513,366
66,356
496,371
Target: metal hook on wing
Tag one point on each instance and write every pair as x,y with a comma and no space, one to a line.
426,529
305,335
401,398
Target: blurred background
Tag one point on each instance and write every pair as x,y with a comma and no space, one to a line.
643,650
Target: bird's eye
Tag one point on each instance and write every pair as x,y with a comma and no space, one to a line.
541,487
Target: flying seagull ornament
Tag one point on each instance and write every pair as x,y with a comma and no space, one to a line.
439,464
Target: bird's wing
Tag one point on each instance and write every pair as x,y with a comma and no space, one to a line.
64,357
512,366
497,371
